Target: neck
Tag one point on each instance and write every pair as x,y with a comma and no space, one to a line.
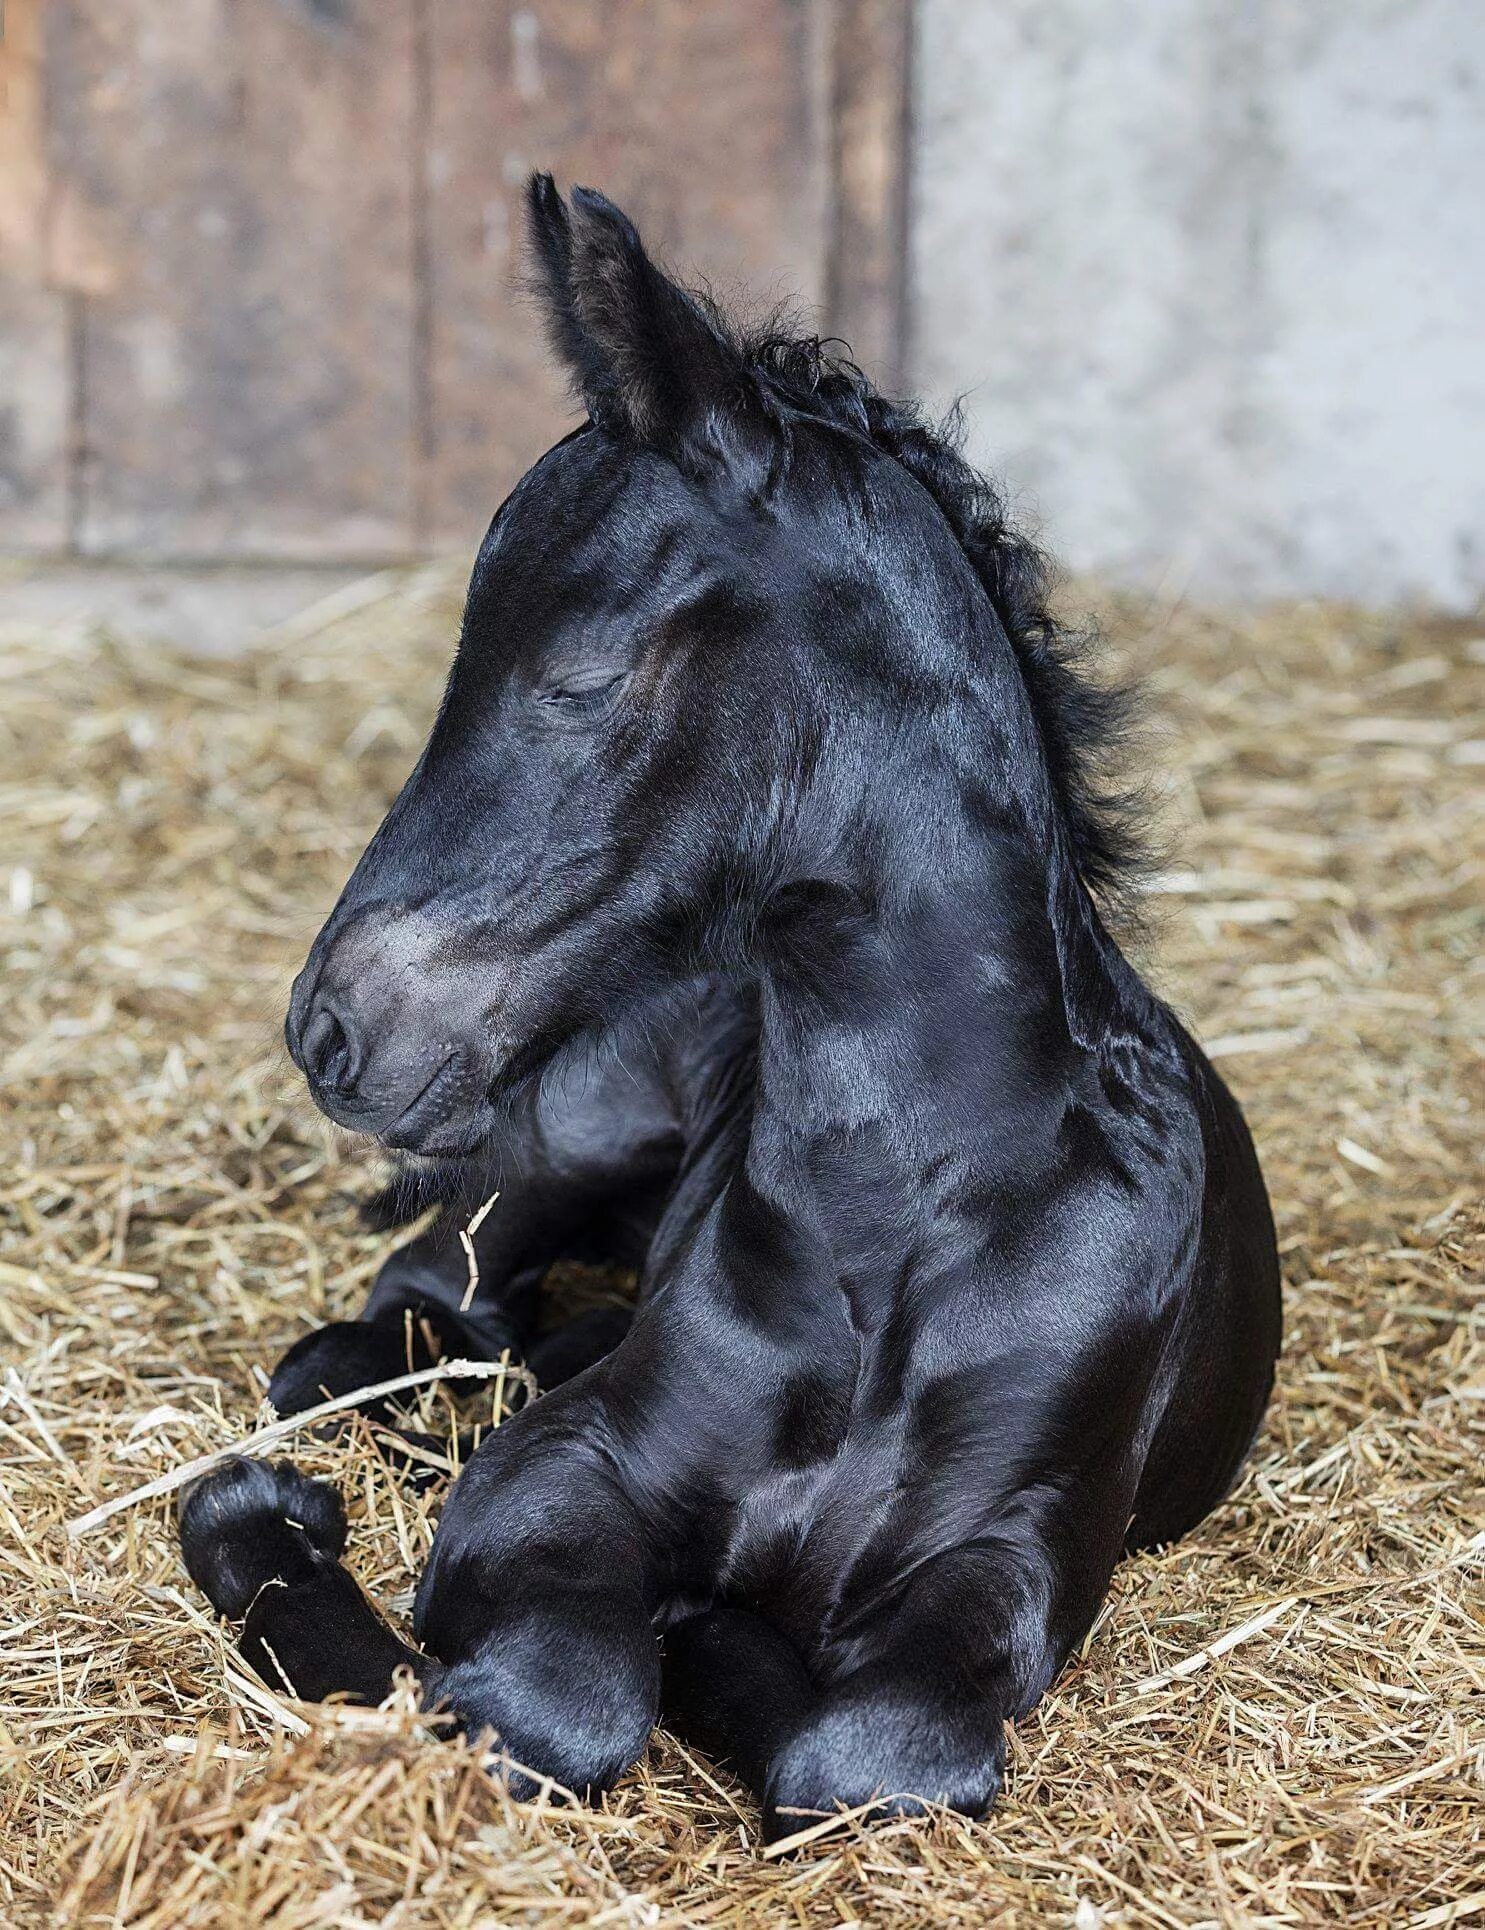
911,1015
926,1016
909,1052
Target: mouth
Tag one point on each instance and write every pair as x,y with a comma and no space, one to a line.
411,1128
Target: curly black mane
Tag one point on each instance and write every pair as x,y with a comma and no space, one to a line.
1083,722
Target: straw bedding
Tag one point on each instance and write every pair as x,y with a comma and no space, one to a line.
1276,1722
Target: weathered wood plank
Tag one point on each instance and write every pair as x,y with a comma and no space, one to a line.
240,173
866,274
705,119
34,335
263,298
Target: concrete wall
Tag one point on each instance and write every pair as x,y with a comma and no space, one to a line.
1212,273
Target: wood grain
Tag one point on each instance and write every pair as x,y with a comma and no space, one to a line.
260,289
242,168
704,119
865,281
35,391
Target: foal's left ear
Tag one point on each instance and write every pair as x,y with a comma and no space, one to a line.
645,355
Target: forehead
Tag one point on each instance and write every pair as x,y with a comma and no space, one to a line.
588,509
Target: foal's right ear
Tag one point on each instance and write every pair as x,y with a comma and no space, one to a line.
645,356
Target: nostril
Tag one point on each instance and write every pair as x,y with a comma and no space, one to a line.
328,1054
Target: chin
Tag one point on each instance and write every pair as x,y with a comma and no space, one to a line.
455,1123
448,1141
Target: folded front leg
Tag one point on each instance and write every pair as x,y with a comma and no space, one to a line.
424,1305
416,1316
918,1713
263,1542
539,1596
534,1615
735,1686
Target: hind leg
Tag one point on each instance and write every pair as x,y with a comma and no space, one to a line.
415,1315
575,1345
535,1613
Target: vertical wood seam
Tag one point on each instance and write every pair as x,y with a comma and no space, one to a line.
841,21
75,476
866,269
422,426
902,345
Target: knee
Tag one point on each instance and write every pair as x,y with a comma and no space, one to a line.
574,1702
898,1754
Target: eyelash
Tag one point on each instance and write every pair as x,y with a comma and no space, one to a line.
586,697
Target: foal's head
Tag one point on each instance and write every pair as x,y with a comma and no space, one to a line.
749,628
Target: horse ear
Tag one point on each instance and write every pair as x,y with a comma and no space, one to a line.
550,234
644,355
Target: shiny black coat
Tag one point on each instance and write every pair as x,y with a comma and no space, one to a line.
737,920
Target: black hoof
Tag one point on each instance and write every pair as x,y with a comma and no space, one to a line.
249,1523
349,1354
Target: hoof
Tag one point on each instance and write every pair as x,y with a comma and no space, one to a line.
348,1354
249,1523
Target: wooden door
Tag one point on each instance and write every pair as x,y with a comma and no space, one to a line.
259,281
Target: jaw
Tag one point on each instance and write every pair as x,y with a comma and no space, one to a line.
443,1122
468,1046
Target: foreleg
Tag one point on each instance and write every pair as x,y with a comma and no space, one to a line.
263,1542
539,1597
913,1709
422,1309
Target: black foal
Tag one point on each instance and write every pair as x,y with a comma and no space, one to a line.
740,917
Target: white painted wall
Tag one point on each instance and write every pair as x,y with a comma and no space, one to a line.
1211,274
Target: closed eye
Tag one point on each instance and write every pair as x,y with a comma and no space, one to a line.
581,695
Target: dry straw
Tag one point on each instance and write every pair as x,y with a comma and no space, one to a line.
1276,1722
